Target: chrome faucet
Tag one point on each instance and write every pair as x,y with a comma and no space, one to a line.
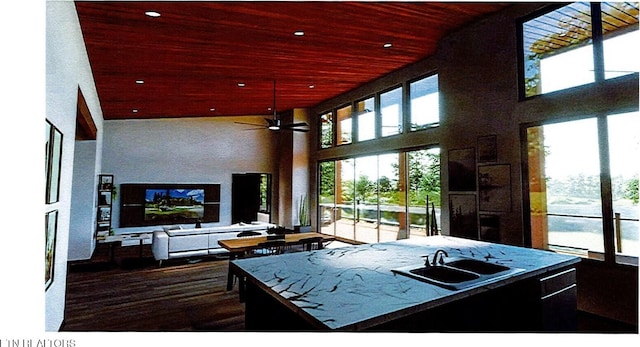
442,253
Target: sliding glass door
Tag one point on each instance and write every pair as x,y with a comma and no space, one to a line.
583,186
423,185
381,197
624,157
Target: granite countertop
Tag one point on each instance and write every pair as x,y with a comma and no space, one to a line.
353,287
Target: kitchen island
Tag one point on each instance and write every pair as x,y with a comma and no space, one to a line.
355,288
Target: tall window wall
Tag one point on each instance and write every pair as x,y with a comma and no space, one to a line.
381,197
383,114
583,190
387,195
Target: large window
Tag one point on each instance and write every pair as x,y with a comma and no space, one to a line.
411,106
344,127
584,191
381,197
577,44
366,124
265,193
326,130
391,112
425,107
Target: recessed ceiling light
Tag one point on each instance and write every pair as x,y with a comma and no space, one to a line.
387,45
134,111
212,109
139,81
152,14
299,33
241,84
311,86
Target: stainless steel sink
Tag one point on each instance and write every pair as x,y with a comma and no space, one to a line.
458,273
477,266
444,274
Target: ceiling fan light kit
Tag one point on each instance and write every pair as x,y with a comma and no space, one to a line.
275,124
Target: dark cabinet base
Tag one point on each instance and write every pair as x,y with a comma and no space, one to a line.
518,307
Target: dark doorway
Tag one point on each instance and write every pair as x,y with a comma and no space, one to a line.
248,193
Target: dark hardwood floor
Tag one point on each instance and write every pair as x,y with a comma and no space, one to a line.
132,294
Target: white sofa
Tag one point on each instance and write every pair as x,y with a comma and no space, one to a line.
175,242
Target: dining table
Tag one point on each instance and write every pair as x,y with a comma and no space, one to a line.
241,246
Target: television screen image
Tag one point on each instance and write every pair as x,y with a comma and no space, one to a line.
173,205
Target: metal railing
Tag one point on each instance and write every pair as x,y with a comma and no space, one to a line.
617,224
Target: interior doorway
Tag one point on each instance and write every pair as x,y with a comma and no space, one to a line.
250,195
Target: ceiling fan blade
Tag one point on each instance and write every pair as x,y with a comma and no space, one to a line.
255,125
293,125
297,129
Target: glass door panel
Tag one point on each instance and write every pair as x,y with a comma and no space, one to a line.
424,191
393,216
564,180
345,199
624,151
327,198
366,199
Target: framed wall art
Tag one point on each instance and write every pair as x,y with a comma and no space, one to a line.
495,187
53,161
463,215
462,170
487,149
50,231
490,228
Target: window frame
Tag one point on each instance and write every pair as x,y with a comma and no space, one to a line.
408,114
332,143
597,43
337,183
356,114
337,138
403,88
606,188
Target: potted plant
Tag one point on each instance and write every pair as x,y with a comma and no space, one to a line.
304,223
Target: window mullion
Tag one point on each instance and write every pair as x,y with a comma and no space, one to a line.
406,109
605,191
596,34
377,116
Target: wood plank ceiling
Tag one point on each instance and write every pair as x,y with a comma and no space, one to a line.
189,61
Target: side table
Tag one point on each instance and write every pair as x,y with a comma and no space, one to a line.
112,239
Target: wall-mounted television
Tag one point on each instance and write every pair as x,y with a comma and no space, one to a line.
168,205
163,204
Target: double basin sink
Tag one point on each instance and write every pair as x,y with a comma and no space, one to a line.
458,273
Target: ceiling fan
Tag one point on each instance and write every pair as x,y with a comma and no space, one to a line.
274,123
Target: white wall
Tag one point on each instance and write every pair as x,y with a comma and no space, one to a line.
300,164
194,150
67,68
83,207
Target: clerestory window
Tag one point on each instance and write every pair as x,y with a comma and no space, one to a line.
577,44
